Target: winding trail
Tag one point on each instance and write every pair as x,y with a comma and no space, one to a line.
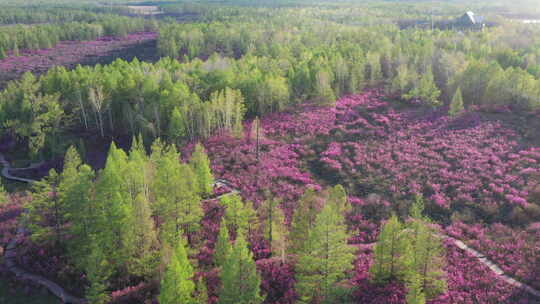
6,167
499,273
10,255
492,266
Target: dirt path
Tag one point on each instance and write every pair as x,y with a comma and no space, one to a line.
493,267
10,255
6,167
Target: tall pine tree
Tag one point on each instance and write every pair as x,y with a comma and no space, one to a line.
303,221
223,246
327,260
390,258
177,286
239,277
456,105
201,166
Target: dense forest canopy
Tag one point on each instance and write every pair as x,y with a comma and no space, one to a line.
280,151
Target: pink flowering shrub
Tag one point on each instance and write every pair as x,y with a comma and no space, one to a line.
384,157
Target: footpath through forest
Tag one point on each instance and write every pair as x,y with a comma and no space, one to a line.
11,252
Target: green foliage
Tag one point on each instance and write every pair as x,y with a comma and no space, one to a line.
177,127
303,221
239,278
390,259
223,246
4,198
327,260
46,207
456,105
145,255
177,285
337,197
201,165
177,202
31,116
414,293
427,257
202,291
425,90
411,253
280,235
97,272
240,216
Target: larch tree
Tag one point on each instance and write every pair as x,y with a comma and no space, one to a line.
114,210
303,221
338,197
270,208
456,105
415,295
46,211
426,254
177,286
202,291
280,235
327,260
223,247
427,261
75,193
145,254
240,281
390,258
98,272
3,195
175,191
201,166
239,216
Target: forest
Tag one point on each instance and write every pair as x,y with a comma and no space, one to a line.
285,151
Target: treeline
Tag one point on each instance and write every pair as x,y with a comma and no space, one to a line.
31,15
252,68
430,66
15,38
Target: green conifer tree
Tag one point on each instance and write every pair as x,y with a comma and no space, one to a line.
3,196
338,198
223,245
238,215
390,258
456,105
145,255
46,211
202,291
426,254
177,286
280,235
303,221
75,191
327,260
239,277
414,291
201,166
97,272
